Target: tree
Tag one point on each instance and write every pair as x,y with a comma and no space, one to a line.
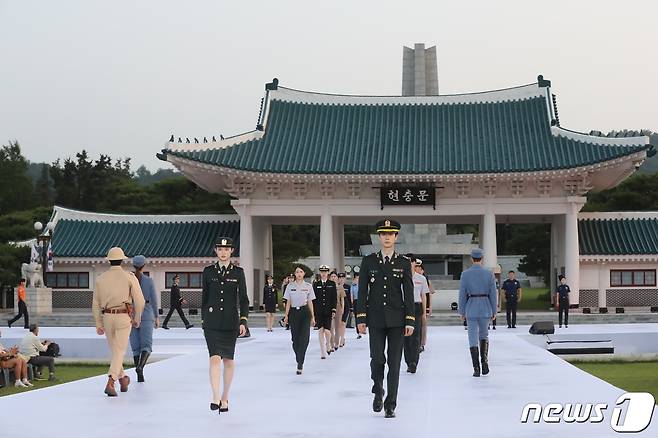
43,194
11,258
15,182
637,193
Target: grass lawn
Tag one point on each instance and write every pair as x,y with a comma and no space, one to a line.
64,373
629,376
534,299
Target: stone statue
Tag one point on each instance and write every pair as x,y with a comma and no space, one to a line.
33,274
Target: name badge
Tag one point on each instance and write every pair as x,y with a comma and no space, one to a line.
234,280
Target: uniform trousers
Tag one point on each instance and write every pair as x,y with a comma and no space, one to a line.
379,337
22,311
510,309
412,343
141,338
564,309
117,331
299,320
180,313
478,330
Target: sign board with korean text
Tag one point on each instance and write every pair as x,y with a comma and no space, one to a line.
408,195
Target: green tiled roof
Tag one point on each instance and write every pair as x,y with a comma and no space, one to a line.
409,138
618,236
82,238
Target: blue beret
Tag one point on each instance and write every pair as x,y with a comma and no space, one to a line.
139,261
477,253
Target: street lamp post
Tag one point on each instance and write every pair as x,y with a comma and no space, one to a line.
43,239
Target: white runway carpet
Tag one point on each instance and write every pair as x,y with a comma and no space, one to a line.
331,399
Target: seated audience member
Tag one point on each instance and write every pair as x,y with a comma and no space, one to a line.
30,348
10,359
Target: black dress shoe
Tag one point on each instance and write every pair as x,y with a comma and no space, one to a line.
223,408
165,327
390,413
412,368
378,402
187,327
214,407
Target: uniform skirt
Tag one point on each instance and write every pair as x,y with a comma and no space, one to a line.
221,342
270,306
323,321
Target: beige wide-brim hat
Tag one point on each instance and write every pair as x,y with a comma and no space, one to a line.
116,253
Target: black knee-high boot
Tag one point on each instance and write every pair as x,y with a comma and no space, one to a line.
484,356
143,358
475,358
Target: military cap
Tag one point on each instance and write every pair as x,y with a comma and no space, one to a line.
116,253
224,242
560,277
139,261
388,226
410,256
419,262
324,268
477,253
269,276
341,275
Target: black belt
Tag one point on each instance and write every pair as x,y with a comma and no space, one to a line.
478,296
298,307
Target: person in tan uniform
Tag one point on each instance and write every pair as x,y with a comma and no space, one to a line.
117,304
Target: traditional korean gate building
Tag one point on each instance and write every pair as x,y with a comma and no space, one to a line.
481,158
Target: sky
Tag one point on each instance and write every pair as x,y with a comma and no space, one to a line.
119,77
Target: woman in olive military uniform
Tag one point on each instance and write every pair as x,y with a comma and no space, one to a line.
224,295
299,313
270,301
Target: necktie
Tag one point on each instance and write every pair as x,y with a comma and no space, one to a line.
387,260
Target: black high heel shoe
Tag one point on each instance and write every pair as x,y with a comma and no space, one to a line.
223,408
215,407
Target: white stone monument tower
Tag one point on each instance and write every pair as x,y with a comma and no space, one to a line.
419,71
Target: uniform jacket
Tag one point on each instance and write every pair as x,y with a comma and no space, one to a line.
175,296
511,288
326,297
386,292
151,306
477,280
224,300
115,288
270,294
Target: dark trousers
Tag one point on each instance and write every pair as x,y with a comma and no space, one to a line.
564,308
40,361
300,331
22,311
510,308
180,313
412,343
356,326
378,340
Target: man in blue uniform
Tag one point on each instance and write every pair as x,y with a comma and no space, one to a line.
477,305
561,298
386,307
512,290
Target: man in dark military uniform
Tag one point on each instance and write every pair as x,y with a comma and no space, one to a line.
512,290
561,299
386,306
324,309
224,312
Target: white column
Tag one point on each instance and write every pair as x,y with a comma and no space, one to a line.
268,263
604,278
339,245
246,245
571,253
488,238
327,239
553,259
